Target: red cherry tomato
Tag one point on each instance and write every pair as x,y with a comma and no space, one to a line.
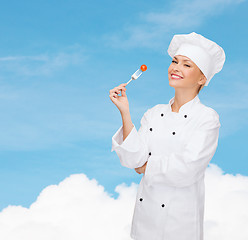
143,68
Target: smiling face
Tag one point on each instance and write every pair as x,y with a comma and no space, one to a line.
184,73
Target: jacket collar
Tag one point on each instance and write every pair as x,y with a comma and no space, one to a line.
186,106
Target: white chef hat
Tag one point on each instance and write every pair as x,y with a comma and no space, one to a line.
206,54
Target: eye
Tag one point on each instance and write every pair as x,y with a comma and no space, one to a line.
174,61
187,65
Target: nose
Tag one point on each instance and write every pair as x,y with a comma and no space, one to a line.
175,69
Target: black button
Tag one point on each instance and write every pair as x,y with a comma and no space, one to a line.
150,129
162,114
150,153
141,199
173,133
185,116
163,205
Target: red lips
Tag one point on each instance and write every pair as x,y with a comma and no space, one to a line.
175,75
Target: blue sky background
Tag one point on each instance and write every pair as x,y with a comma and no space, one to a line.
58,61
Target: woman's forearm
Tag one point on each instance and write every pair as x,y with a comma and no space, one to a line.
127,124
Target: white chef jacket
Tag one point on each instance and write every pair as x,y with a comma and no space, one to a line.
177,148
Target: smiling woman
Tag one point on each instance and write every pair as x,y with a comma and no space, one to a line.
173,146
188,72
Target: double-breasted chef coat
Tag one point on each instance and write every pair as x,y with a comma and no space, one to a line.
177,148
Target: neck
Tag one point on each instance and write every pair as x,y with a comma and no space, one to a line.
182,96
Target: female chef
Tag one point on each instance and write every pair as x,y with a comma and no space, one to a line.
173,145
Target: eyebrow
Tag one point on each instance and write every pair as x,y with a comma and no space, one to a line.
183,60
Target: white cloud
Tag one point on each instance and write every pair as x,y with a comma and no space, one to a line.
226,205
79,208
152,28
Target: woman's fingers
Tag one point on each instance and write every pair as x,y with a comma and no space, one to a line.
121,101
113,94
124,93
123,84
117,90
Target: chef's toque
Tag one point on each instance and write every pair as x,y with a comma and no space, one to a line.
206,54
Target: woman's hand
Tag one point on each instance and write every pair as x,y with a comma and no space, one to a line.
141,169
121,102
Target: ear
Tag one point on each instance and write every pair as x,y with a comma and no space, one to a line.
202,80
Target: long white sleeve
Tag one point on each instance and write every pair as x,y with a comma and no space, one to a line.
133,151
180,169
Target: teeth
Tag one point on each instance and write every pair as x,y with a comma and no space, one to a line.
174,76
